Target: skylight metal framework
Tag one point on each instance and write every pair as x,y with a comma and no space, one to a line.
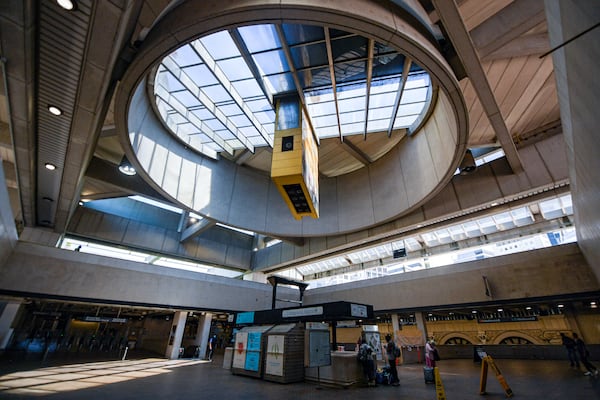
216,93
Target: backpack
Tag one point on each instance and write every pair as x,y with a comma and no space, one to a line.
393,349
363,353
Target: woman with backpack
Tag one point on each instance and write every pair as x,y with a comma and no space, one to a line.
392,352
365,357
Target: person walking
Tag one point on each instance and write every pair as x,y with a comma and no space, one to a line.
583,355
393,352
569,344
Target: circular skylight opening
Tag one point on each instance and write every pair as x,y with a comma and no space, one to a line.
216,93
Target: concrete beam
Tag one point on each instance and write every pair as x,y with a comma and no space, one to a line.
457,32
196,229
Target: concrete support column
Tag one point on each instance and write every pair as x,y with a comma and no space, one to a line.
395,325
176,335
9,312
421,325
203,333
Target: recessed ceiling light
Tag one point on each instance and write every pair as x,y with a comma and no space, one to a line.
66,4
560,305
528,308
55,110
50,166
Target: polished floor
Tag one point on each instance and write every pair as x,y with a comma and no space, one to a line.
157,378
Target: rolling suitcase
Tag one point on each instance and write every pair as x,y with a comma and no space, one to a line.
428,374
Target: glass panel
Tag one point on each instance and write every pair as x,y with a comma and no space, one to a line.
380,113
351,129
202,113
410,109
272,62
327,132
414,95
352,104
168,81
311,55
322,109
295,33
216,93
351,117
389,64
230,109
381,100
281,83
349,48
240,120
214,124
403,122
235,69
350,71
220,45
248,88
472,229
259,37
315,77
259,105
186,98
185,56
201,75
265,117
326,120
417,81
378,125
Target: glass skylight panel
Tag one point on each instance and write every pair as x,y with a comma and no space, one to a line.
417,80
220,45
260,37
325,120
229,92
309,55
567,204
487,225
412,244
186,98
185,56
265,118
414,95
381,100
522,216
281,82
430,239
217,93
404,121
457,232
201,75
377,125
352,129
235,69
504,220
472,229
248,88
168,80
551,208
271,62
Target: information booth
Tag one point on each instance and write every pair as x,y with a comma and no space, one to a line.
276,344
284,361
248,352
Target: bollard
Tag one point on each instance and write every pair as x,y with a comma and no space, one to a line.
125,353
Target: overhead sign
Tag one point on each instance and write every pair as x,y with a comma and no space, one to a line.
302,312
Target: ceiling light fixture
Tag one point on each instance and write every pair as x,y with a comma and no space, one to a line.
55,110
50,166
68,5
126,168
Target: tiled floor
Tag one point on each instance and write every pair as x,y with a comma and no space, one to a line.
155,378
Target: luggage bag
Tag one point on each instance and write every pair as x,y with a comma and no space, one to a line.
429,375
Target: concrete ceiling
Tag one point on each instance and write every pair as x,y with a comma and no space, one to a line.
509,90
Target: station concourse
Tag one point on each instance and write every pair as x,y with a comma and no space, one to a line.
169,165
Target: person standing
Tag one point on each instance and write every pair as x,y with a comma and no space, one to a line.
583,355
365,357
430,351
571,349
392,352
